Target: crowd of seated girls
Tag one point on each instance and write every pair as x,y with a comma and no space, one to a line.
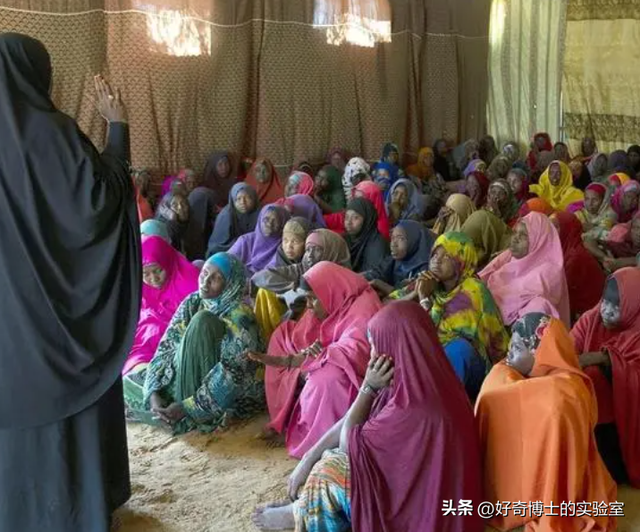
370,309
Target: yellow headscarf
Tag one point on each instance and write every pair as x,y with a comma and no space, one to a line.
421,170
562,195
462,207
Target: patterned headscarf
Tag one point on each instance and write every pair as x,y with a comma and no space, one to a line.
530,328
155,228
354,167
233,272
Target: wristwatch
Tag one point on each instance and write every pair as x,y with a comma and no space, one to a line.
368,390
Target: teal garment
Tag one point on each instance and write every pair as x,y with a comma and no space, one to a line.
200,362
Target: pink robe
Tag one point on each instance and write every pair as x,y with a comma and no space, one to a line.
534,283
332,379
159,305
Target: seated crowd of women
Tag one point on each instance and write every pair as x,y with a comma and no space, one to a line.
371,310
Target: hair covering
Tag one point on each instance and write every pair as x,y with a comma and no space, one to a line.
299,227
477,165
356,166
340,151
177,228
160,304
633,149
388,149
304,167
423,420
532,158
373,193
598,173
468,311
619,240
499,168
511,149
618,179
415,200
334,247
554,411
202,213
233,293
334,196
419,244
213,180
333,378
618,161
461,208
523,195
509,208
487,149
255,250
268,192
617,203
303,182
585,278
155,228
619,402
230,223
536,205
420,169
558,196
440,163
534,283
368,247
69,252
489,234
481,196
168,183
385,182
306,207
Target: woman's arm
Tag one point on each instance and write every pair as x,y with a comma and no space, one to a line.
594,249
324,206
379,376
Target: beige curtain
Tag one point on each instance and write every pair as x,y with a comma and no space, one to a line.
256,76
601,83
526,39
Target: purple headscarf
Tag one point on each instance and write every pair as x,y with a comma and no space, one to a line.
257,251
305,207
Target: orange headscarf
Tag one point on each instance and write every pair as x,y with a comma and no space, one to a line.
272,190
537,439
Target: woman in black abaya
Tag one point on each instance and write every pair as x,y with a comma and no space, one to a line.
70,279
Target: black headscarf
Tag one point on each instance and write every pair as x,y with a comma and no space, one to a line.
177,228
440,163
619,162
231,224
202,214
70,269
368,247
212,179
634,149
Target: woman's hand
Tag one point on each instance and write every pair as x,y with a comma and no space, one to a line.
171,414
256,357
298,478
155,401
427,284
595,358
109,104
379,372
313,350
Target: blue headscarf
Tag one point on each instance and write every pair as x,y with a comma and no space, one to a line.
155,228
416,204
235,283
419,243
384,182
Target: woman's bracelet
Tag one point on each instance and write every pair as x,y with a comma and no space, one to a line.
425,303
367,389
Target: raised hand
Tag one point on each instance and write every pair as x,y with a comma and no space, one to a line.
109,105
379,372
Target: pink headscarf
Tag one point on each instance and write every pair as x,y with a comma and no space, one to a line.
334,377
616,200
420,445
535,283
159,305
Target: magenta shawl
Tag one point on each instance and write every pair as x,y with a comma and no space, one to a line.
535,283
334,377
159,305
257,251
420,445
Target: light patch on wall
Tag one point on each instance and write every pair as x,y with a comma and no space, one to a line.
177,33
359,22
497,22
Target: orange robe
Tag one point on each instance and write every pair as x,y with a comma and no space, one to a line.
537,439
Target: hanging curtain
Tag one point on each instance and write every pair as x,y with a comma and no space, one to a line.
601,82
526,39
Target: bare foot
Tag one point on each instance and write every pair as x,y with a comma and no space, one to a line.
272,438
274,516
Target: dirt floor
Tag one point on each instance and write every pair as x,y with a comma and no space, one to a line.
211,483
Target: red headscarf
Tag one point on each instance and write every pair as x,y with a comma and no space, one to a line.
272,190
532,158
484,183
620,402
419,446
585,278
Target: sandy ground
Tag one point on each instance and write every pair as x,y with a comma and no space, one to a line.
211,483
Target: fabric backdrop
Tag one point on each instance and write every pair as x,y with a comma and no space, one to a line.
526,42
601,82
265,81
